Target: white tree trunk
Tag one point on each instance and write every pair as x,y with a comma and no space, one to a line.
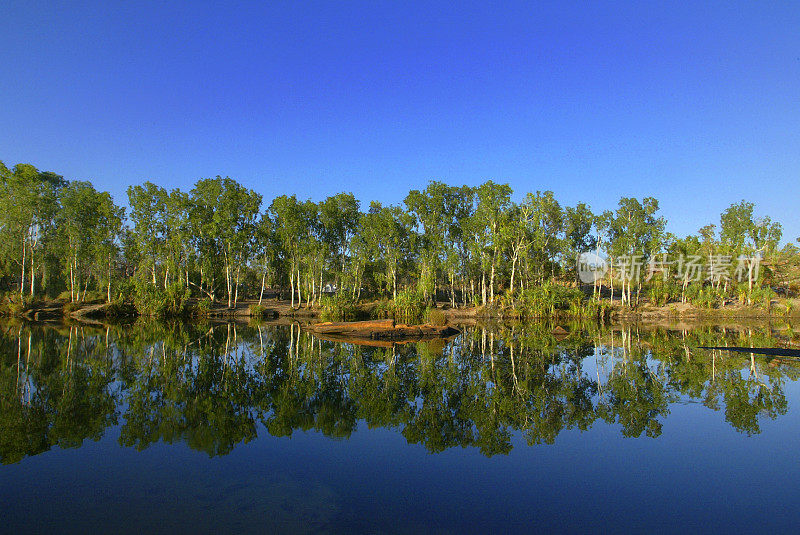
22,277
263,278
291,284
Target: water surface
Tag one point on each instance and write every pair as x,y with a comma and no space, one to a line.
208,427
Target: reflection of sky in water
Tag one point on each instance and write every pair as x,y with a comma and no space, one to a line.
700,472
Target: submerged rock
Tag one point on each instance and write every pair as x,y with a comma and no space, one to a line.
386,330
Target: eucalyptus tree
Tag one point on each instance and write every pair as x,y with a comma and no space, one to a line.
708,247
579,221
339,217
75,220
686,251
228,214
428,209
743,235
107,235
28,206
387,233
177,236
266,251
89,224
486,227
603,226
636,233
459,208
545,220
315,254
736,223
148,204
517,237
291,225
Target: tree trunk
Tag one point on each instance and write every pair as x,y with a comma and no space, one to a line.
291,284
33,273
22,277
263,279
491,285
228,279
299,295
236,294
611,278
513,271
472,289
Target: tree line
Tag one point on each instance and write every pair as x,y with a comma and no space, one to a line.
221,242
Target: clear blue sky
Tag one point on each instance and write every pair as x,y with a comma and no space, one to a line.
697,104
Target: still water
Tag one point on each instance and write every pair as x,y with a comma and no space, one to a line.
219,427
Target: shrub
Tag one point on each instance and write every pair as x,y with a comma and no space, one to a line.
117,308
338,308
382,310
151,300
70,306
203,306
16,303
785,306
704,296
661,293
434,316
125,290
762,296
409,307
94,295
549,298
257,311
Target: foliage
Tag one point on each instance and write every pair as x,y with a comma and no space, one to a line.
16,304
548,299
471,246
705,296
409,306
338,308
435,316
661,292
203,306
150,300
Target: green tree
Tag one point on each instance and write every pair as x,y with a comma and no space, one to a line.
229,214
387,234
80,227
148,204
486,227
28,207
291,228
635,234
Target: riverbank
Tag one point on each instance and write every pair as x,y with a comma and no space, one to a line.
273,309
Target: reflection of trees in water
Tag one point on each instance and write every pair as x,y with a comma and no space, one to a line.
210,386
55,389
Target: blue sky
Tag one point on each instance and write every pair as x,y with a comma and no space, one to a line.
697,105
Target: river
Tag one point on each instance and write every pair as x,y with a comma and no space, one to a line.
165,427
